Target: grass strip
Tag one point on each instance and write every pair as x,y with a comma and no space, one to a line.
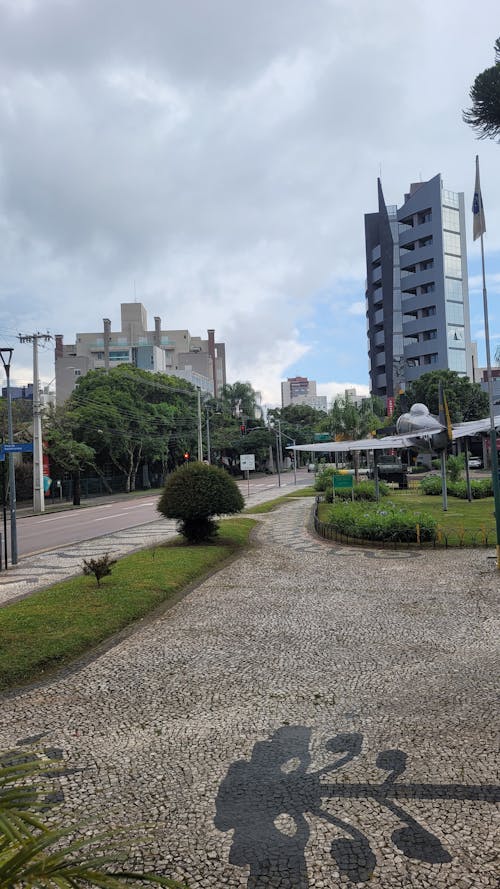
52,627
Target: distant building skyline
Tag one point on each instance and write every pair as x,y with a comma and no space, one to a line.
301,390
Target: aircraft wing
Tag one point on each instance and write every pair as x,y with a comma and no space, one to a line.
474,427
362,444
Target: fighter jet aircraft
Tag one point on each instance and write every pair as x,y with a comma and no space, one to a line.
418,429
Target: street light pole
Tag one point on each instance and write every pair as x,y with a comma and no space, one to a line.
12,470
208,434
200,438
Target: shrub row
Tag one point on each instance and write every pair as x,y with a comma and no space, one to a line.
386,522
480,488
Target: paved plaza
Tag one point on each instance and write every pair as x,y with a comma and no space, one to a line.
312,715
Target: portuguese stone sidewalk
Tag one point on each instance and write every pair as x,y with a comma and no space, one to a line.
310,716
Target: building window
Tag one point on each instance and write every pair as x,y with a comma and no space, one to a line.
425,216
452,243
425,242
119,355
427,311
453,289
457,360
413,362
429,335
428,264
78,372
451,219
428,288
454,312
452,266
430,359
455,334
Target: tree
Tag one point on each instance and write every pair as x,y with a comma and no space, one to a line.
466,400
484,114
131,417
348,421
239,399
194,494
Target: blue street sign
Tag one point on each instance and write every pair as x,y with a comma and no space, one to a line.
24,448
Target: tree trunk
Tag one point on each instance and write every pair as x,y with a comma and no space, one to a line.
76,487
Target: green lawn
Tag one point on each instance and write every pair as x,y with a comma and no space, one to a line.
462,524
55,625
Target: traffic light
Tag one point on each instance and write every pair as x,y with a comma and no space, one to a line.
243,428
186,456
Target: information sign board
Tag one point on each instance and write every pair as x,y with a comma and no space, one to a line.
343,481
247,461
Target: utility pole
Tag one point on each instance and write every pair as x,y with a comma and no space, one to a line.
38,493
6,360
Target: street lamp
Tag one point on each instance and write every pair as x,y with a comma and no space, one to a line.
6,356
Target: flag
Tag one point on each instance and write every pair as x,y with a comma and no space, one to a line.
477,207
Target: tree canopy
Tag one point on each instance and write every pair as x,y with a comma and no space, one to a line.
127,417
466,400
484,113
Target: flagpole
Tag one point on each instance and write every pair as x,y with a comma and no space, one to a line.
493,432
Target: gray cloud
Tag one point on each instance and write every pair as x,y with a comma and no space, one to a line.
216,159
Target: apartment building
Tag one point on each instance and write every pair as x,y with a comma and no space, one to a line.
200,361
417,297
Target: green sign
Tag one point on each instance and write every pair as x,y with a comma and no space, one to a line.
343,481
322,436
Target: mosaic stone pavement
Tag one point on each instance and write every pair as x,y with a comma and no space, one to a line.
309,716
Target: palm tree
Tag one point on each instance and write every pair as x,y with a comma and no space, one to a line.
350,422
32,854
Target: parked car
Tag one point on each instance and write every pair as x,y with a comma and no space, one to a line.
475,463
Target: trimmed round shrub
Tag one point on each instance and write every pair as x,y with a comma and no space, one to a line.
194,494
386,522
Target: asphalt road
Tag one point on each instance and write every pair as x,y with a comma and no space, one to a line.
55,529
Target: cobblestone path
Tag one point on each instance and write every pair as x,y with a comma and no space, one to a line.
310,716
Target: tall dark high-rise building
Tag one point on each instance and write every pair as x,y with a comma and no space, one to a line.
417,296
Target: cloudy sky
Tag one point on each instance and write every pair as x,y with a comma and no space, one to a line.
214,159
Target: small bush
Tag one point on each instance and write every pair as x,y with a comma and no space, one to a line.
387,522
455,467
194,494
98,567
323,479
431,485
479,489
